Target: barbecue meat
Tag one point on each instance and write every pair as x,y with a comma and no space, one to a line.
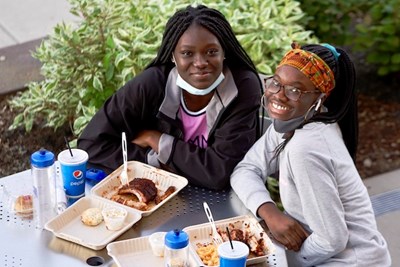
167,193
144,189
237,234
130,200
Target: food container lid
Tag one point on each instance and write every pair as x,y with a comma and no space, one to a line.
79,156
176,239
240,250
18,198
42,158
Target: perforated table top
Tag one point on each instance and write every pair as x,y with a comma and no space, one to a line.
21,244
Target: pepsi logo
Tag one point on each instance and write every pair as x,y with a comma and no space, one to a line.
78,174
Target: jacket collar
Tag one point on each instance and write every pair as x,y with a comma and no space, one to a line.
224,95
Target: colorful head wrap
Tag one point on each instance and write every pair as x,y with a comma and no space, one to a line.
312,66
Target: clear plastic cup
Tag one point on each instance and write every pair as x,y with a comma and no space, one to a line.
156,241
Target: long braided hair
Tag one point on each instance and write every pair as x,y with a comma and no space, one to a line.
212,20
342,101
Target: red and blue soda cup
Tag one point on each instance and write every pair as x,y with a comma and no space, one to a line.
73,171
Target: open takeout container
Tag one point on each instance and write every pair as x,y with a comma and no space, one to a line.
137,252
17,196
201,234
68,225
162,179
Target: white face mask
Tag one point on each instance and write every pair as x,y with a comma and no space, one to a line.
195,91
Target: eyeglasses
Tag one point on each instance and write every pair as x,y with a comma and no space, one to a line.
291,92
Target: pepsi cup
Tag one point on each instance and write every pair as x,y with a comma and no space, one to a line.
73,172
235,257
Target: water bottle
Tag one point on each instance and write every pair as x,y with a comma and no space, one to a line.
44,186
176,252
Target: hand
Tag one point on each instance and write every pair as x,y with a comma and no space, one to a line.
284,228
148,138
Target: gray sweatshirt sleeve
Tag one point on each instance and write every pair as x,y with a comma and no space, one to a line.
249,176
314,180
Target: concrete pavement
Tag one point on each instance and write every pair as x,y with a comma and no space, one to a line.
384,190
26,20
23,24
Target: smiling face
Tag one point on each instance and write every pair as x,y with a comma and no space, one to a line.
282,108
199,57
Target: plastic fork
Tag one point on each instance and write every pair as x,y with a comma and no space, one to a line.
216,237
124,174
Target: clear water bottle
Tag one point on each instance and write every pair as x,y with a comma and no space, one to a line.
44,186
176,252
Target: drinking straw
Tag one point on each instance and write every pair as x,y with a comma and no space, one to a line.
70,150
229,236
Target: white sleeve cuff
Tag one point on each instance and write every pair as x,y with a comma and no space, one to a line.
152,159
165,145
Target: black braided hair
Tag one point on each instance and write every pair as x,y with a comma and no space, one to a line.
212,20
342,102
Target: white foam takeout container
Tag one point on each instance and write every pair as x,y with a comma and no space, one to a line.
137,252
68,225
163,179
202,234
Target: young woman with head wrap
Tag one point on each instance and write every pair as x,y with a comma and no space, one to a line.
192,111
312,142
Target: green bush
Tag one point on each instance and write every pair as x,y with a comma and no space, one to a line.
368,26
115,39
378,35
331,20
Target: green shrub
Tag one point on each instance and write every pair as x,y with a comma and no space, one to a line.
115,39
265,28
368,26
378,35
331,20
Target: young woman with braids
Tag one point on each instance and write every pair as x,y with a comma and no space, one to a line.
312,143
192,111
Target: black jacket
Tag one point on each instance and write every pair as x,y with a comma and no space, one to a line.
151,101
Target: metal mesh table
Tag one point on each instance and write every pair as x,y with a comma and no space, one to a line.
21,244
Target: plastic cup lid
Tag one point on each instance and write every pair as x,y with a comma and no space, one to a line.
79,156
239,250
42,158
176,239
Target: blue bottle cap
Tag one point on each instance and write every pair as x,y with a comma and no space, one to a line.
176,239
96,175
42,158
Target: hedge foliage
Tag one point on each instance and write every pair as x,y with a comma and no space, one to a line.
368,26
113,40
